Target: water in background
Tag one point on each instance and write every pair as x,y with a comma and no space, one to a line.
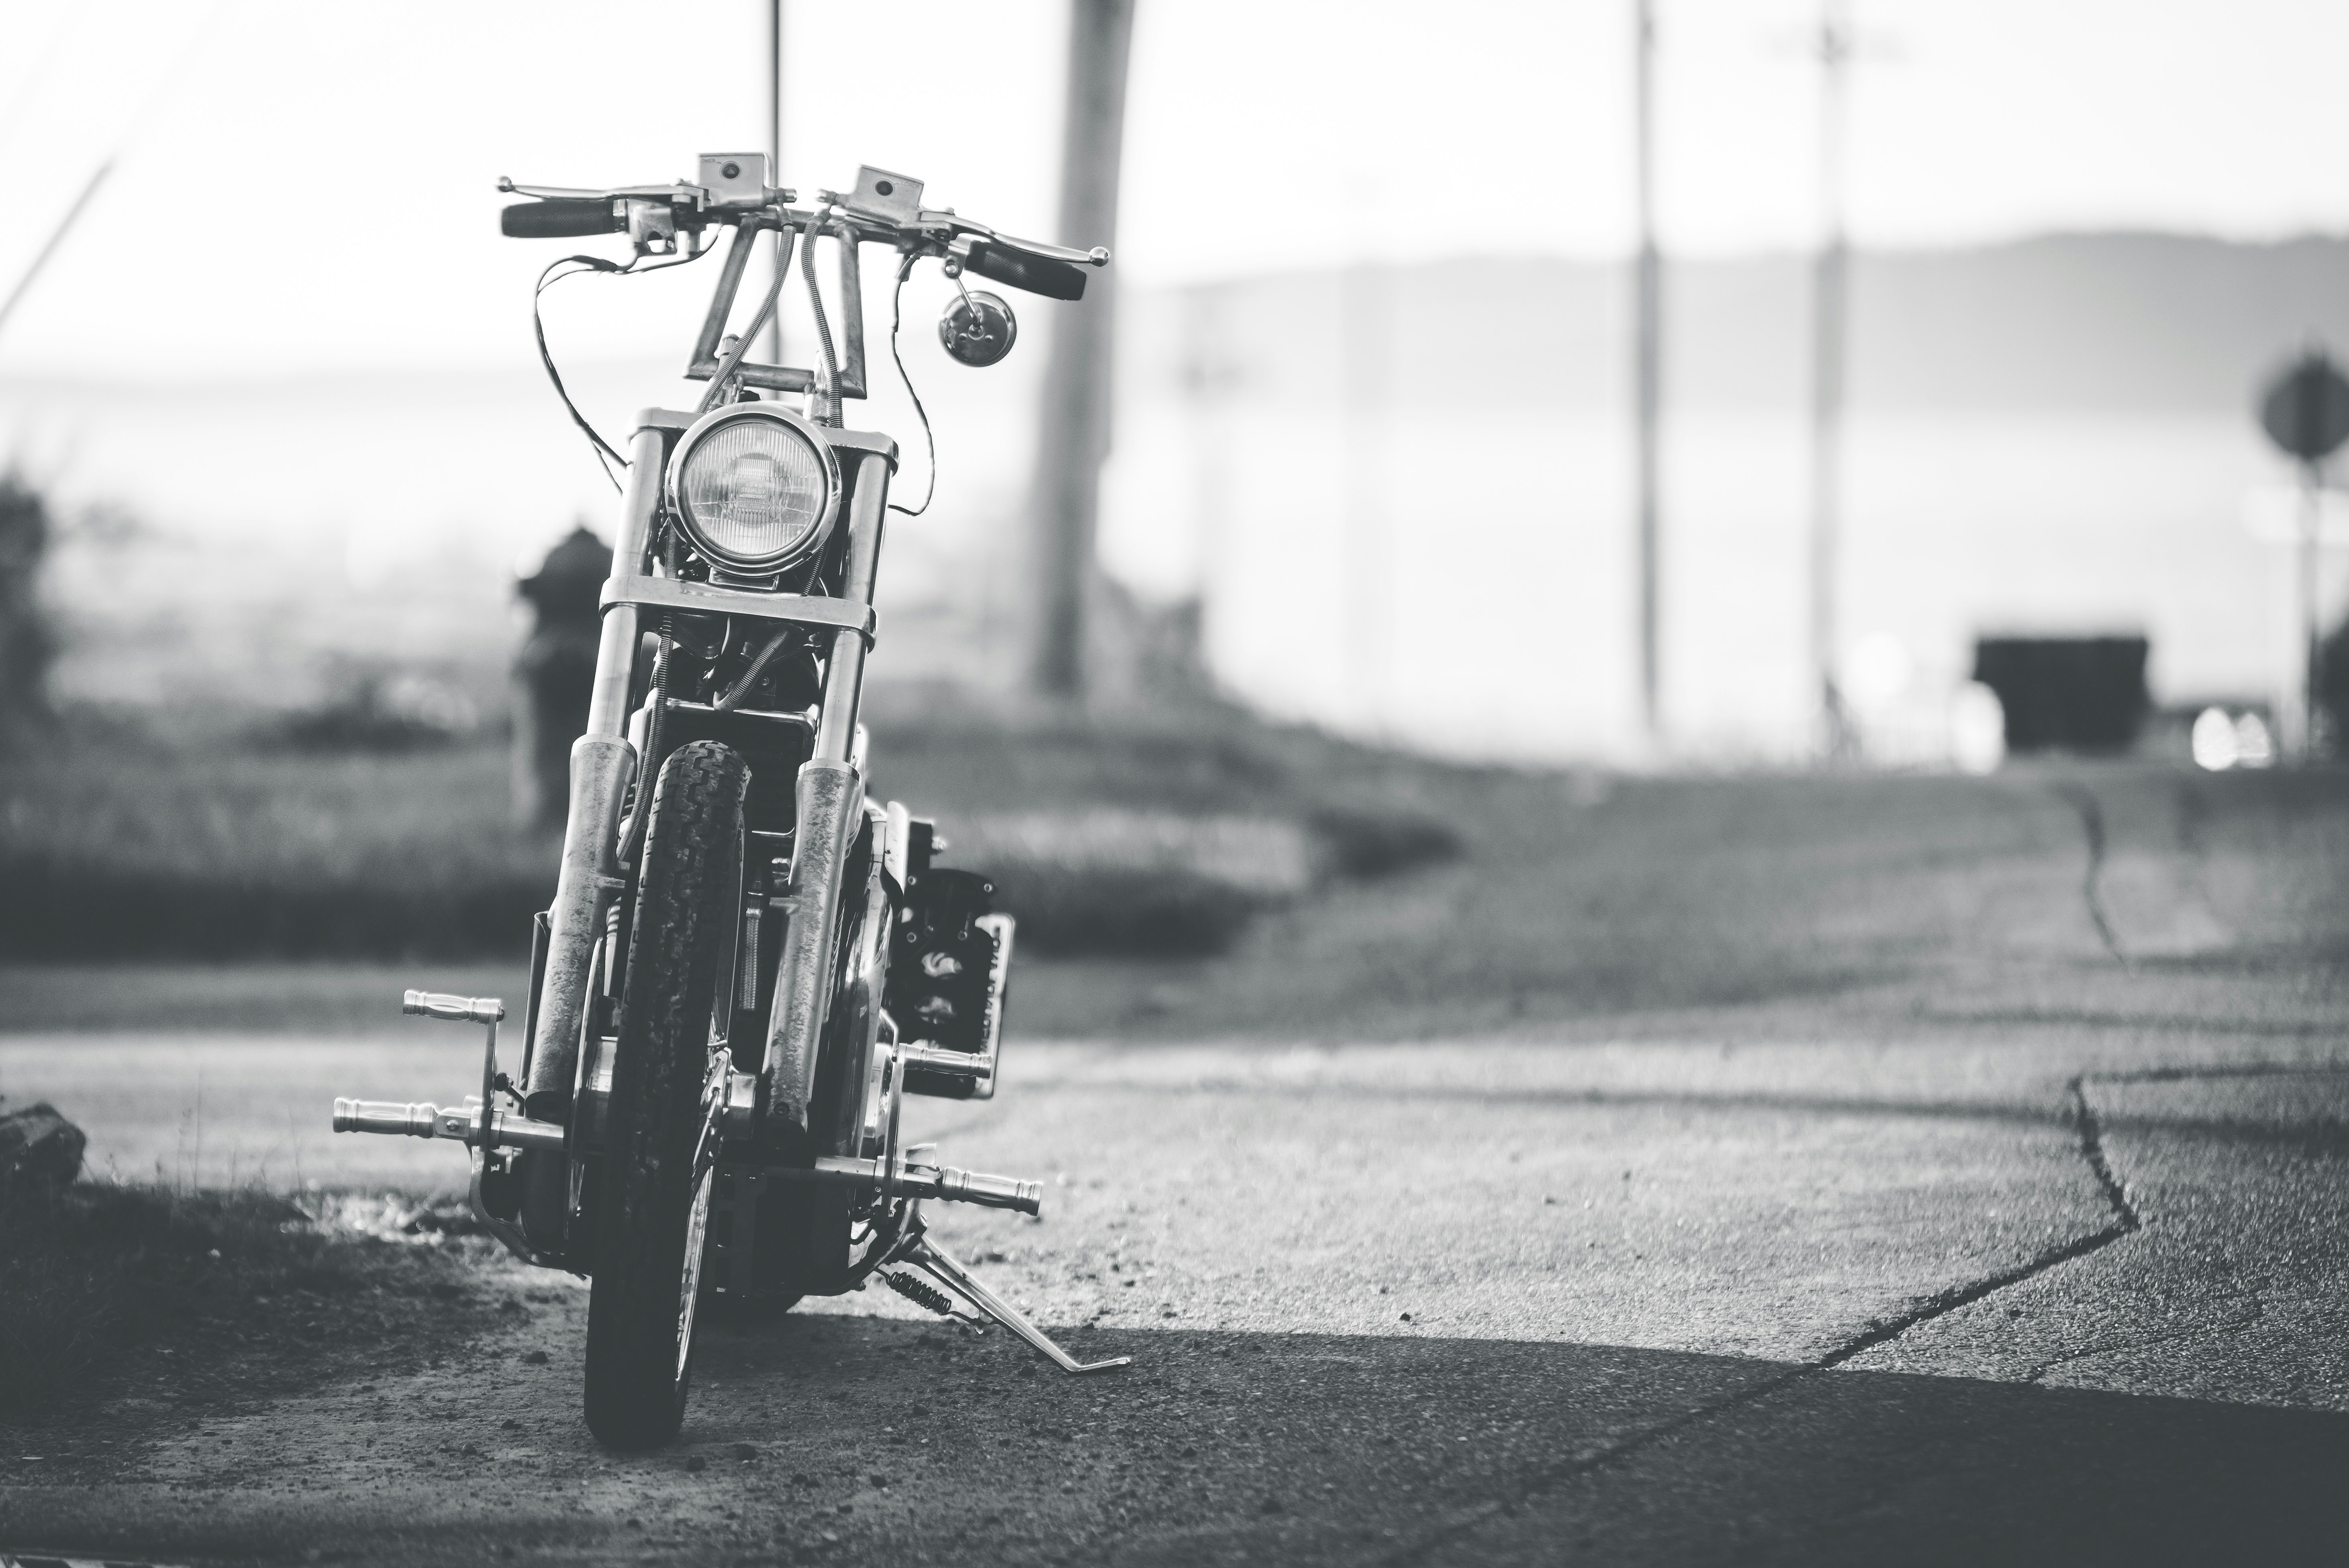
1422,533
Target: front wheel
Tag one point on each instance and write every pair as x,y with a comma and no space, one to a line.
660,1150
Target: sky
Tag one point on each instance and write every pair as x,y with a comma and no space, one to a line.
299,188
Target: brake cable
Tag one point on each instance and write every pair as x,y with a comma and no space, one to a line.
719,377
605,453
896,315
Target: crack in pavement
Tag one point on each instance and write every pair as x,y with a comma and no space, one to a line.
2223,1070
2091,1148
2082,800
2126,1222
2232,1324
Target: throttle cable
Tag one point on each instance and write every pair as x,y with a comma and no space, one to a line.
605,453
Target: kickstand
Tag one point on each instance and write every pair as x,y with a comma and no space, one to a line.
917,1249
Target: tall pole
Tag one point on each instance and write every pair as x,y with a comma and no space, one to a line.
2311,636
1075,439
774,350
1367,619
1827,378
1647,377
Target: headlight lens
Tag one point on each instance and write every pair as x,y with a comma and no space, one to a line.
753,490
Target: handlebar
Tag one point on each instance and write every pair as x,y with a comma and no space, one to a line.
1051,271
560,220
1022,269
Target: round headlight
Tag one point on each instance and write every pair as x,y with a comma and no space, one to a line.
755,487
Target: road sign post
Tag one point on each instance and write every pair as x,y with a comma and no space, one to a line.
2305,411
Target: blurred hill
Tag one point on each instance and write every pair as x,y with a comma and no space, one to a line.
2111,322
2049,434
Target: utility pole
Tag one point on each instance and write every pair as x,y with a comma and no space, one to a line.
1828,301
1366,330
1074,442
1648,375
2312,629
775,155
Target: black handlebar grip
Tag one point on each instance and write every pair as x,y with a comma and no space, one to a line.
1021,270
560,220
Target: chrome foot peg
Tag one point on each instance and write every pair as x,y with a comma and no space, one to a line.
481,1124
916,1250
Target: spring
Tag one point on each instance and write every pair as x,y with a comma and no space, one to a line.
920,1294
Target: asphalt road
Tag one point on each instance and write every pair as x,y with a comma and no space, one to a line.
1490,1302
1923,1175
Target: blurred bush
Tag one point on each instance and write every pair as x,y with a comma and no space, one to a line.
376,711
1110,880
28,644
359,829
114,847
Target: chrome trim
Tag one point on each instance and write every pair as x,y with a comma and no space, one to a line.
926,1058
897,843
601,767
592,1098
740,1114
1003,927
641,500
461,1123
829,795
812,542
803,609
843,683
799,717
903,1179
858,1009
452,1009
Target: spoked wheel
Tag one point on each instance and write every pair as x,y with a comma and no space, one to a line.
660,1148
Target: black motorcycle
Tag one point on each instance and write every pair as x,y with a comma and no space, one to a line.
748,965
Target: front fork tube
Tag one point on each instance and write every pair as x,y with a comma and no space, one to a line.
603,765
831,808
831,801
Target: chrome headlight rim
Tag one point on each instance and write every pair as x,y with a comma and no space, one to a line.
808,544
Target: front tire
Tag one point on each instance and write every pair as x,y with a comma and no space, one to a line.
659,1155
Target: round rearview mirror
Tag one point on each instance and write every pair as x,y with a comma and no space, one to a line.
977,328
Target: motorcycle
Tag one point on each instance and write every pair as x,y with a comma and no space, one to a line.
747,966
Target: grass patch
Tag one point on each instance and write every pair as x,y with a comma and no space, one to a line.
113,846
103,1283
116,844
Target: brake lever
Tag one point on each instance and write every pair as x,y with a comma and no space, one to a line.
964,229
1096,257
680,190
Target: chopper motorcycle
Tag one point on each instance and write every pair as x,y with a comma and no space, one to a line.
747,965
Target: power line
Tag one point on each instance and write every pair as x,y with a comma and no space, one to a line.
56,237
